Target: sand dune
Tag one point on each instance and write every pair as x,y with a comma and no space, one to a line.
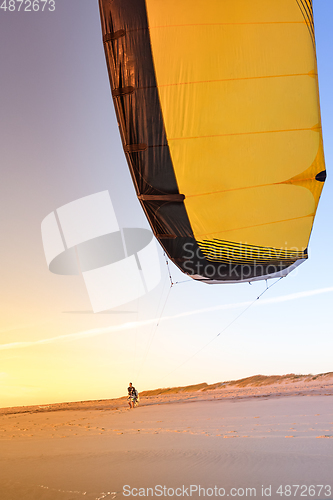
255,386
254,433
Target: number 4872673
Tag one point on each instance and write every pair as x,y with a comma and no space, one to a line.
27,5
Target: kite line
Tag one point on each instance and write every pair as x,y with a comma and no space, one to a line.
224,329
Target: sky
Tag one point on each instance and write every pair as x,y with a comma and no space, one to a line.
59,142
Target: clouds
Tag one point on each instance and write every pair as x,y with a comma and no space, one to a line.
138,324
295,296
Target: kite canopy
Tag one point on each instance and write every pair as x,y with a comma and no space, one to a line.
218,109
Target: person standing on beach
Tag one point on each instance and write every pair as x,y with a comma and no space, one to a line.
132,395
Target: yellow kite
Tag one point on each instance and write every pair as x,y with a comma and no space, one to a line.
218,109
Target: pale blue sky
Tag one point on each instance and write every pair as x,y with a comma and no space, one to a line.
59,142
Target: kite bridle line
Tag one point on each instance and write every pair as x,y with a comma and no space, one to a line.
169,272
172,283
160,316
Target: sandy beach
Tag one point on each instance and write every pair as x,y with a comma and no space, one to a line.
238,439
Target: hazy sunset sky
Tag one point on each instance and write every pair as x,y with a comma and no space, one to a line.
60,142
